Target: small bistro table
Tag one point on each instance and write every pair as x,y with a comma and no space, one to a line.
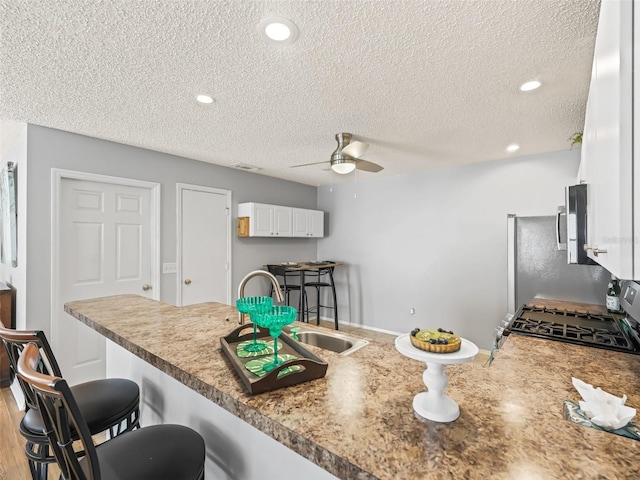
303,267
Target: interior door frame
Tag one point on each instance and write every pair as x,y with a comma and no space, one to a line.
57,176
199,188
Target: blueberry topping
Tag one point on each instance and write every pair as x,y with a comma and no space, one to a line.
445,341
440,330
432,341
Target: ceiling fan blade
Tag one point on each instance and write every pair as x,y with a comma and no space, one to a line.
308,164
355,149
368,166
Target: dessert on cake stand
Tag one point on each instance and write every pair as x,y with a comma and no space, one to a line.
434,404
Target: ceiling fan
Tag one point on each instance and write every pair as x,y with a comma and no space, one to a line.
346,157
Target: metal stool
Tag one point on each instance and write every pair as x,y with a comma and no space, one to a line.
318,284
285,278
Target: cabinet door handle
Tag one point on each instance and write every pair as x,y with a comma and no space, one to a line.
187,281
596,251
146,287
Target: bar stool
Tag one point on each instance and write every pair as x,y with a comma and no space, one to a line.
161,451
319,284
285,278
111,405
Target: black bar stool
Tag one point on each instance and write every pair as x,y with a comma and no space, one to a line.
287,280
161,451
111,404
319,282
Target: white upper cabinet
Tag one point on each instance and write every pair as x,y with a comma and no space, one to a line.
308,223
282,224
316,223
607,149
266,220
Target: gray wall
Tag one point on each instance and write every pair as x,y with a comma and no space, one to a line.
16,276
436,241
49,149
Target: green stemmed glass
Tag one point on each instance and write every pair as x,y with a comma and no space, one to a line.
274,320
253,306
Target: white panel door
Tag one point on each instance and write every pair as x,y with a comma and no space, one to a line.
204,226
104,248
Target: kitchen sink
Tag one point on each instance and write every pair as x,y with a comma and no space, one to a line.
336,342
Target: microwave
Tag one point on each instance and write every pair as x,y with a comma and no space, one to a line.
571,231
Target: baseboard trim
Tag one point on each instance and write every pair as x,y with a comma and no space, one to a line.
18,395
481,352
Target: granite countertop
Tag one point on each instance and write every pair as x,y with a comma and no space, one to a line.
358,420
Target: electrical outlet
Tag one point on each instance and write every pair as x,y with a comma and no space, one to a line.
169,268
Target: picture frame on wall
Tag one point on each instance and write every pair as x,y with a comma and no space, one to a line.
8,216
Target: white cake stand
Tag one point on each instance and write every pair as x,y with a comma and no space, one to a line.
434,404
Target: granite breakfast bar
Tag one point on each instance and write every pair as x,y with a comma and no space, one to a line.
358,420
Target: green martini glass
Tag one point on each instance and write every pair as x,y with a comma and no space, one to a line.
252,306
274,320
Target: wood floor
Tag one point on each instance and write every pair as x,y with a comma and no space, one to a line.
13,463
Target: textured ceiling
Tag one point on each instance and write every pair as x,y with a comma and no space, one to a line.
426,83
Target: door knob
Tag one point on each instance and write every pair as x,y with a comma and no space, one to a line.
146,287
187,281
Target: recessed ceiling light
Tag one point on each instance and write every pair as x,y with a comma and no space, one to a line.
514,147
278,30
528,86
204,98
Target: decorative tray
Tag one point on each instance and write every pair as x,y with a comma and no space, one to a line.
572,412
302,367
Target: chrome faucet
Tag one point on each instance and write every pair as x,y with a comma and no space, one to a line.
249,276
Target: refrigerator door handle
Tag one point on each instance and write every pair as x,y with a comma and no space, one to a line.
561,211
511,263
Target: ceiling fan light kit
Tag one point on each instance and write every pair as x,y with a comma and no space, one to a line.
346,158
343,166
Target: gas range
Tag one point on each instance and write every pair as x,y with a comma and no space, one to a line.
606,331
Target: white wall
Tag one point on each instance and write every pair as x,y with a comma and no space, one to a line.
436,241
234,449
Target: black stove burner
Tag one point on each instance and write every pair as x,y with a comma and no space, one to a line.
595,330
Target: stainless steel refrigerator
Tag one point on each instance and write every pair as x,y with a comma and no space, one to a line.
538,268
